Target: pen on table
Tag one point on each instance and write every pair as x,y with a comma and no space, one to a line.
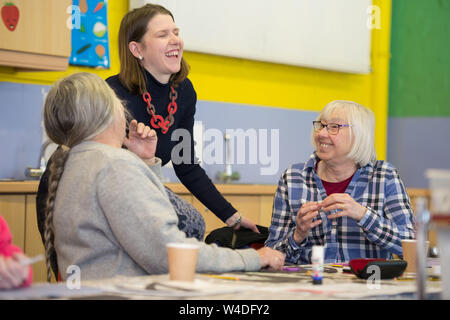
221,277
287,268
28,261
340,264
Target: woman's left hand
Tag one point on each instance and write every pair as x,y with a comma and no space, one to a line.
245,223
346,204
142,141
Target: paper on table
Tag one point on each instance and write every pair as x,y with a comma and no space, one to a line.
168,288
47,291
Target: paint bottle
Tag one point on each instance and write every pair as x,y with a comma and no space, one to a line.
317,262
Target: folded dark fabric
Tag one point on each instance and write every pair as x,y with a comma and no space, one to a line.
227,237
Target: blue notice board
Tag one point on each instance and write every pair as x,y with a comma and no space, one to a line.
90,45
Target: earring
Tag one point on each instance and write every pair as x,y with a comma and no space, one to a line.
140,57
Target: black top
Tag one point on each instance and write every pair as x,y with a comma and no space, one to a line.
191,175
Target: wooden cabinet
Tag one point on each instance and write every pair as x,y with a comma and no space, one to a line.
254,207
41,40
252,201
12,209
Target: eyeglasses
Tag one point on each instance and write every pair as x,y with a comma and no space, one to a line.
332,128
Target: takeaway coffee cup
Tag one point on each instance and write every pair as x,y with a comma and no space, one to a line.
409,255
182,261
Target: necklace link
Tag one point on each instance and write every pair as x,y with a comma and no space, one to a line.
157,121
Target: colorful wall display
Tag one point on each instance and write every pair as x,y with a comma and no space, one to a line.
90,45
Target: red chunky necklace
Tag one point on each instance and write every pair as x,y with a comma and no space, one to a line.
158,121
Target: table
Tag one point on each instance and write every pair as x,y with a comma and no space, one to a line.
264,285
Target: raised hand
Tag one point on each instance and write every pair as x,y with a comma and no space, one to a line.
142,141
346,205
305,217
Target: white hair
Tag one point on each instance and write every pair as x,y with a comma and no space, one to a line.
362,130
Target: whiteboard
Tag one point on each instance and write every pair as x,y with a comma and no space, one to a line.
325,34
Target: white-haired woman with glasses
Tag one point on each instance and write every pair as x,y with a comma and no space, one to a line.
342,197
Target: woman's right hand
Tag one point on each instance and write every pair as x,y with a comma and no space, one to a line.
270,258
12,273
305,217
142,141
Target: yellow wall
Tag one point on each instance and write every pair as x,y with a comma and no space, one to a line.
116,10
218,78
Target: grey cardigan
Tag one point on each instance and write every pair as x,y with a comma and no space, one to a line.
112,217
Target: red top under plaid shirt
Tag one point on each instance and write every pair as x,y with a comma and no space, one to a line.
376,186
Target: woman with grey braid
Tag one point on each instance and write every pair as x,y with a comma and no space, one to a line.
107,211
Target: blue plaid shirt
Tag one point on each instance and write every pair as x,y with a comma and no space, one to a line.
378,187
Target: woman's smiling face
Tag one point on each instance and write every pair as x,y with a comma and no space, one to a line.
161,48
330,147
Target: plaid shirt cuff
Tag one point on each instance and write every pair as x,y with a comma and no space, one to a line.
368,219
296,246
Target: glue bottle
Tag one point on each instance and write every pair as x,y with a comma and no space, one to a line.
317,262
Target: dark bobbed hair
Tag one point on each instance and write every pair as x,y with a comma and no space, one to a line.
132,28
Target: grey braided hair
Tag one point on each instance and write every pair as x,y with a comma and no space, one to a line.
77,108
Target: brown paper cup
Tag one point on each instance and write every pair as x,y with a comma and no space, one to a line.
182,259
409,255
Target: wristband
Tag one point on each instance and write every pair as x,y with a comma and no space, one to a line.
238,221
